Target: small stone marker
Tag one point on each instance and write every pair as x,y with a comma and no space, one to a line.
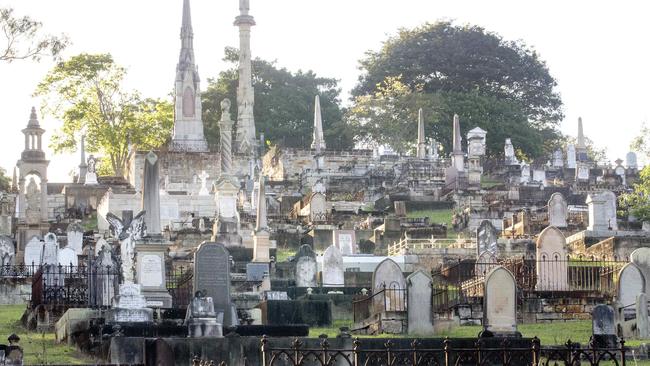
75,238
388,275
33,251
50,250
68,257
630,284
603,325
641,257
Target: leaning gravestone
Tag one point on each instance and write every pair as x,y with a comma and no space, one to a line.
50,250
500,302
552,264
603,325
75,237
306,267
212,278
33,252
642,321
641,257
486,238
333,270
630,284
419,309
557,210
388,276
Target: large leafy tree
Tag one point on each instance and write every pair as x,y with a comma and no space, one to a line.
5,181
489,82
284,104
86,93
24,39
637,202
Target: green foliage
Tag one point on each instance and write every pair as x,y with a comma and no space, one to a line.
23,39
284,104
637,202
389,117
641,143
549,334
500,86
86,93
5,181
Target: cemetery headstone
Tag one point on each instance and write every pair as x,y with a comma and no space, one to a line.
50,250
75,237
630,283
67,257
557,210
212,277
630,160
500,302
201,318
486,238
345,241
641,257
7,250
400,208
33,251
150,270
106,277
552,265
91,171
642,321
484,263
5,216
603,325
101,243
255,272
333,270
151,194
571,157
388,277
419,309
602,211
130,306
306,267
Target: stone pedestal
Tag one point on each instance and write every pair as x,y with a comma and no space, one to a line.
91,179
261,246
130,306
150,271
202,320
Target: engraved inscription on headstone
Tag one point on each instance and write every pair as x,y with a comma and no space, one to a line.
212,276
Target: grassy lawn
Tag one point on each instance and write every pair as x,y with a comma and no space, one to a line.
436,217
37,347
283,254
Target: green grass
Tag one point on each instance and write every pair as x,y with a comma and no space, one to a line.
436,217
90,222
37,347
489,182
282,254
548,333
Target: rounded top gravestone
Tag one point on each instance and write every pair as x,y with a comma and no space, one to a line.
631,282
333,269
641,257
500,301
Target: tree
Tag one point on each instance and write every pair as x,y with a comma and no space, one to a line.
5,181
484,78
24,39
284,104
389,117
641,143
86,93
637,202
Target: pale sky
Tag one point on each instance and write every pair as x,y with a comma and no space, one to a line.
598,51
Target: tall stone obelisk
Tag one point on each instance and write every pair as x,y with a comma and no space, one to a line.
422,146
457,155
245,140
318,141
261,243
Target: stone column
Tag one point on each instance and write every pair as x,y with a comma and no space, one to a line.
261,241
245,139
151,194
225,129
422,149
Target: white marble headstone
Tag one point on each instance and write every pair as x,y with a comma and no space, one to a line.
500,301
333,270
67,257
51,249
552,265
33,251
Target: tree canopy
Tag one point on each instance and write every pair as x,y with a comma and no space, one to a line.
284,104
24,38
498,85
86,93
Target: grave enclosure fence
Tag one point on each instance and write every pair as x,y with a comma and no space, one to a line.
584,277
447,352
387,299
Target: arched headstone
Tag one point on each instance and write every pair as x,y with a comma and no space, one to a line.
486,238
388,275
557,210
333,270
500,302
631,282
420,321
552,264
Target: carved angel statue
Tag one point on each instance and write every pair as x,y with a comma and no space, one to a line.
127,233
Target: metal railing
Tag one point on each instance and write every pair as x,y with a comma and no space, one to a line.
180,286
18,270
408,245
447,352
387,299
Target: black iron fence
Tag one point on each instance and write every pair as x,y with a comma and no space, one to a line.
486,351
388,299
18,270
463,282
180,285
75,286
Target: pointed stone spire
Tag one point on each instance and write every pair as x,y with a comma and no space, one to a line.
188,124
262,219
457,139
422,147
318,142
14,181
33,119
581,135
245,139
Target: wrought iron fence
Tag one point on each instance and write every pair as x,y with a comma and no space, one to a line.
462,283
18,270
180,285
485,351
388,299
75,286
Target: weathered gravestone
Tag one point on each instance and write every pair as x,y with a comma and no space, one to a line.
130,306
101,243
419,309
151,275
306,267
630,283
346,241
603,325
557,210
212,278
7,250
255,272
500,303
389,287
641,257
486,238
106,279
602,211
33,251
75,237
50,250
484,263
552,264
642,321
67,257
333,270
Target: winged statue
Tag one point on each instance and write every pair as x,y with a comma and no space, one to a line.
127,233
